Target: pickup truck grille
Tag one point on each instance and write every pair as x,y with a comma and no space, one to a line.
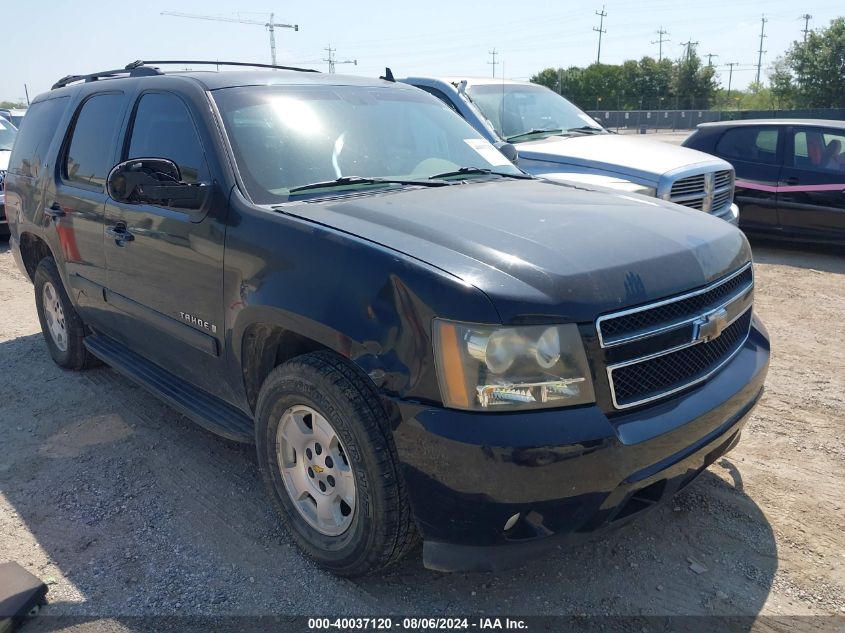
2,178
663,347
709,192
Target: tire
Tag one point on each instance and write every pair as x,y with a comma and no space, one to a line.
377,530
67,350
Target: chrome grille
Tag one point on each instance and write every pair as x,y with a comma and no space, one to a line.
669,373
710,191
2,178
692,335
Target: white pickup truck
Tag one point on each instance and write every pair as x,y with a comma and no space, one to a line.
557,140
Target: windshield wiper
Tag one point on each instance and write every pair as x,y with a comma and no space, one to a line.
463,171
360,180
535,131
587,129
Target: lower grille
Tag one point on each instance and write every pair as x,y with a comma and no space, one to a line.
660,376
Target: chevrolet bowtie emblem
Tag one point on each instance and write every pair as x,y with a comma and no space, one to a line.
318,469
710,326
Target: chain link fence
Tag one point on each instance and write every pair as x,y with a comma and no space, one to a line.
652,120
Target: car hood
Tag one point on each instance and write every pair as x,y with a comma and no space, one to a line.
616,153
543,249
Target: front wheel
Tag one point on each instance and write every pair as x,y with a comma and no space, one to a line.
327,457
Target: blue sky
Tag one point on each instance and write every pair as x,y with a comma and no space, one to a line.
44,40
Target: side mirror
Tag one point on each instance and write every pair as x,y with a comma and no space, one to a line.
156,181
509,150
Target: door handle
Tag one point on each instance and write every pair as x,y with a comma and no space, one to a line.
55,211
792,180
119,233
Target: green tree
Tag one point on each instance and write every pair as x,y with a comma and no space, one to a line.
12,104
819,66
781,85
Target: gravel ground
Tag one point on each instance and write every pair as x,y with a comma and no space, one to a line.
126,508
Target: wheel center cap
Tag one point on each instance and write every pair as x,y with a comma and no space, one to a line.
318,469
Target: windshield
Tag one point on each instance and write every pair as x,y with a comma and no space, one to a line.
517,109
286,137
7,135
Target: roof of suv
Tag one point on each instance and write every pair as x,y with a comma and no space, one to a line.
776,122
217,79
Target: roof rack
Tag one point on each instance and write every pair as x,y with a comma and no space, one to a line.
145,68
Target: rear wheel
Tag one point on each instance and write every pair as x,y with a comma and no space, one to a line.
62,327
328,460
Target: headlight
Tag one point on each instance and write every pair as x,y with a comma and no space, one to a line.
485,367
632,187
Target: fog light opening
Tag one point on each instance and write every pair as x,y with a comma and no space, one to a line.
512,521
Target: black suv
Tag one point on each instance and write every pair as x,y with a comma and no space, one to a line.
419,338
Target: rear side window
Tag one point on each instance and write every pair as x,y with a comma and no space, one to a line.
163,128
34,136
753,144
89,156
819,150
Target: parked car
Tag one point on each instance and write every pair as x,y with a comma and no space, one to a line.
419,338
7,139
14,115
555,139
790,174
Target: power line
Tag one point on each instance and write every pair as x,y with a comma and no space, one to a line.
806,17
660,39
493,63
601,30
761,51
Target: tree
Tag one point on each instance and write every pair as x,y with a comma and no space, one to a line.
781,85
819,66
12,104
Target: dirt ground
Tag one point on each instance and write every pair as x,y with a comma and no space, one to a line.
126,508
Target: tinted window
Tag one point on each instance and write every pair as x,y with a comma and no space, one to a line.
754,144
819,150
515,109
89,156
439,94
163,128
34,136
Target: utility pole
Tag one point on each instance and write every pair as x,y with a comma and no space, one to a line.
690,44
806,17
730,65
710,57
660,39
761,51
26,92
601,30
332,60
493,63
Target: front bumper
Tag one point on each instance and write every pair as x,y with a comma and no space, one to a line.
729,214
567,473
